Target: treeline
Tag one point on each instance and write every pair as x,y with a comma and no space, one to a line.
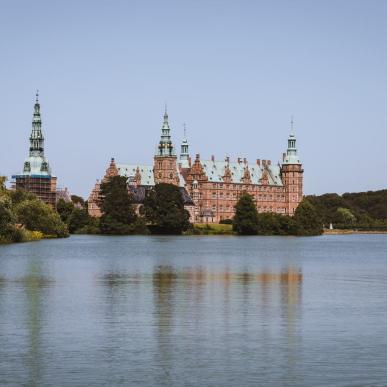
24,217
162,211
360,210
247,221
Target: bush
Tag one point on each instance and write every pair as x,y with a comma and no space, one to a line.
35,215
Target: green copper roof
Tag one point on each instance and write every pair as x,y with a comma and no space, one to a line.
215,170
36,163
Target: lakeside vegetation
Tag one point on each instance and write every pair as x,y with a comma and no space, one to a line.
363,211
162,212
247,221
23,217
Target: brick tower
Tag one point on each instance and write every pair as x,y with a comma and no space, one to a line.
292,175
165,160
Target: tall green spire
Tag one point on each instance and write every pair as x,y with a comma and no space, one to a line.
36,138
291,156
36,163
165,147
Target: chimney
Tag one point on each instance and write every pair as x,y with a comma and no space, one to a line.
197,156
227,159
212,158
239,160
244,160
264,163
268,162
259,162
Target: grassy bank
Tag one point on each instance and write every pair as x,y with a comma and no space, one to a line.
210,229
22,235
350,231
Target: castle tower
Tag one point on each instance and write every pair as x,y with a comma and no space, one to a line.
36,176
184,152
165,160
292,174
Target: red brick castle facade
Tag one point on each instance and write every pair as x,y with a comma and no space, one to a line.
211,188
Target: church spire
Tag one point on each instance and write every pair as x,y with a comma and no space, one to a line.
165,147
36,138
291,156
184,150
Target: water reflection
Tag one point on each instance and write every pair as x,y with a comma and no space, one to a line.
35,288
198,303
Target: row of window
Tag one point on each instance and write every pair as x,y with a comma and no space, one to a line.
246,187
258,197
260,209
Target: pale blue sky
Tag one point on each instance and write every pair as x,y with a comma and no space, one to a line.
234,71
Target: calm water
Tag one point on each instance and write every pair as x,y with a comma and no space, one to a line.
195,311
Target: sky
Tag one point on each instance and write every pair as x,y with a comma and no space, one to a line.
233,71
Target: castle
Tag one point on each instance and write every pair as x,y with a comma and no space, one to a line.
36,176
211,188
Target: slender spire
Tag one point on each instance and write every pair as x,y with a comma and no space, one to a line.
165,113
165,147
184,150
291,156
36,138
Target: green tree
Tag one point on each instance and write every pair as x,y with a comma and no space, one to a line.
116,205
78,200
346,216
35,215
164,210
64,209
275,224
245,220
20,195
6,218
78,219
308,220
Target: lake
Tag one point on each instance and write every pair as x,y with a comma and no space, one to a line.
195,311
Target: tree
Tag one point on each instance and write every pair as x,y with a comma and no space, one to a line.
36,215
245,220
78,200
346,216
270,223
117,207
164,210
64,209
6,217
20,195
307,219
78,219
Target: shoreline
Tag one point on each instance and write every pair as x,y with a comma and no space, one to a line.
349,232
